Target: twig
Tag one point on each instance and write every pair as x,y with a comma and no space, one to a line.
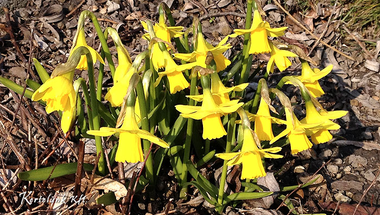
75,9
8,29
78,174
359,42
366,191
324,31
309,32
108,20
300,185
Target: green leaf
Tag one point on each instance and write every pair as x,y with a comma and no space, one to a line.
247,195
289,188
52,172
205,159
174,150
210,188
32,84
41,71
251,186
107,199
203,191
15,87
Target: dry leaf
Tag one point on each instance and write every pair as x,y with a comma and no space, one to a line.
268,183
107,184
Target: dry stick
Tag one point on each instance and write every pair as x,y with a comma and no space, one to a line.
78,174
138,178
309,32
359,42
300,185
75,9
324,31
366,191
9,30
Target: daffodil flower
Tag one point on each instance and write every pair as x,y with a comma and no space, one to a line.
296,133
129,149
200,53
165,33
219,91
321,135
263,122
279,57
210,114
59,95
259,32
81,41
177,81
250,156
121,79
310,78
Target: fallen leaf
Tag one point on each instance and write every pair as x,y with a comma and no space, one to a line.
107,185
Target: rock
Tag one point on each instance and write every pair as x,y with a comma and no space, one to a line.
347,169
326,154
299,169
342,198
112,6
338,176
338,161
333,169
347,185
369,175
357,161
367,135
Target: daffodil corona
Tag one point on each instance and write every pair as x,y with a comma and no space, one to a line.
59,95
259,32
263,122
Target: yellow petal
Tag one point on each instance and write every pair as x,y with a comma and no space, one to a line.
129,148
299,142
148,136
227,156
213,127
252,166
322,136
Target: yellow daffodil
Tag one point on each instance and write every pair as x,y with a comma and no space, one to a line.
165,33
177,81
210,114
121,79
279,57
219,91
200,53
321,135
250,156
59,95
296,133
263,122
259,31
310,78
129,148
81,41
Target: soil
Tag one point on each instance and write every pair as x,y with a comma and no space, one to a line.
346,168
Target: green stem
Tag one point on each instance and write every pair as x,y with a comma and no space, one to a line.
149,171
231,127
100,79
95,118
189,134
248,21
87,101
102,39
256,99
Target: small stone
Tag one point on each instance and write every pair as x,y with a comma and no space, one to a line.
326,154
333,169
112,6
367,135
349,194
369,175
347,169
338,161
141,206
376,98
342,198
357,161
338,176
299,169
347,185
